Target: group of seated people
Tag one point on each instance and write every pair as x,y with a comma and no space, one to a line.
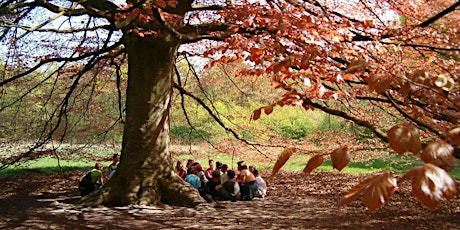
214,183
94,179
219,183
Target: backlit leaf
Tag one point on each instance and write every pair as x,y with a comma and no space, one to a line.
268,109
380,189
313,163
354,192
440,154
275,84
256,114
383,85
340,158
356,66
372,81
453,136
404,137
256,51
440,80
431,185
286,63
283,157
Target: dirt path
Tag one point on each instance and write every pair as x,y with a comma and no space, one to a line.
295,201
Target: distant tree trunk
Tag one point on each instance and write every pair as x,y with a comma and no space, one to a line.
146,173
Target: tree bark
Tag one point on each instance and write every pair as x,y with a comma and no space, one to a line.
146,175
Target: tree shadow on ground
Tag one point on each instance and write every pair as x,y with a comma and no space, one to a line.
295,201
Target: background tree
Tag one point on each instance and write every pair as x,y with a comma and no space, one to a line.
340,57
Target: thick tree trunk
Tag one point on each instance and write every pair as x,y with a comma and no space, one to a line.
146,174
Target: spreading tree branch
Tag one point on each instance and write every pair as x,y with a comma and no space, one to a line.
439,15
407,116
218,120
68,59
379,133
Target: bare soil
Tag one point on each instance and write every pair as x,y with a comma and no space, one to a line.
294,201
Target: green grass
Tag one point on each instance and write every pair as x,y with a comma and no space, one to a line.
396,164
49,165
297,163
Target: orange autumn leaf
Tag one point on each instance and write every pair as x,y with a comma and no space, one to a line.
453,136
313,163
380,189
340,158
404,137
348,76
383,85
356,66
377,190
276,84
256,51
431,185
269,109
283,157
256,114
440,154
354,192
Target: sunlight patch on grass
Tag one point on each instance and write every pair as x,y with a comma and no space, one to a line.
297,163
50,164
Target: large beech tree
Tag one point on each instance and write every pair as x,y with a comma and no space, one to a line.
346,58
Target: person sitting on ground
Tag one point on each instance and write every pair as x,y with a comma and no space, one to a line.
181,169
197,165
190,163
229,190
113,166
223,176
218,165
193,179
208,171
238,173
92,180
262,191
201,175
248,183
212,183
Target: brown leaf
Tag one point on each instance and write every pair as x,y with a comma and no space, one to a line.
283,157
383,85
431,185
256,51
340,158
269,109
276,84
380,189
405,89
453,136
284,64
410,174
440,154
404,137
372,81
313,163
419,76
256,114
305,62
356,66
354,192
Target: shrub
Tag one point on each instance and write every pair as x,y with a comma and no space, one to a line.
187,133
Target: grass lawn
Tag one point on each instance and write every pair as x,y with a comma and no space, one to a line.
396,164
